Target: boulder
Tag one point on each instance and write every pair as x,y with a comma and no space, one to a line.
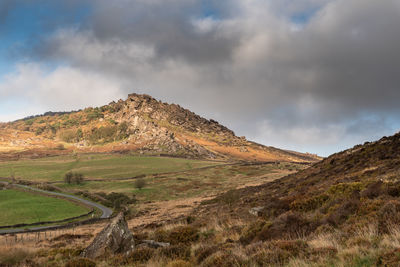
114,238
256,211
153,244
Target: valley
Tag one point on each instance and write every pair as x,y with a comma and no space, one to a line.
209,197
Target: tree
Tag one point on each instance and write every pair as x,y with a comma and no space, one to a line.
68,177
140,183
78,178
73,177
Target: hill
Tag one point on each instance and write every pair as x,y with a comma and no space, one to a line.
342,211
141,124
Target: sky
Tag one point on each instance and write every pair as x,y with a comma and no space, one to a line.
313,76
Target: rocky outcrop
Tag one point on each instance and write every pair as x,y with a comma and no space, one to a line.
146,113
114,238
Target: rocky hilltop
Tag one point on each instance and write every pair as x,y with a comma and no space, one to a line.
139,124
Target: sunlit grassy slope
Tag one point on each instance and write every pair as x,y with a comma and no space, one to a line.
22,207
96,166
191,183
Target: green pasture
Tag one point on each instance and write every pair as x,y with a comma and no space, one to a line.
24,207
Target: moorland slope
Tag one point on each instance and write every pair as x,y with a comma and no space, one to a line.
342,211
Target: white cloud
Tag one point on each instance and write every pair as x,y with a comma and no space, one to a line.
63,88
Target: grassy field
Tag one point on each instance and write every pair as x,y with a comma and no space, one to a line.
95,166
22,207
191,183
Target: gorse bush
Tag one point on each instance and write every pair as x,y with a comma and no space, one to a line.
71,136
103,134
94,114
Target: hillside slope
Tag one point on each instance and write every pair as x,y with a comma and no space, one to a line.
347,190
342,211
141,124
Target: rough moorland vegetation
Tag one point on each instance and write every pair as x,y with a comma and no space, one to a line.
342,211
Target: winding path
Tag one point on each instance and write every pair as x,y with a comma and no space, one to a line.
106,212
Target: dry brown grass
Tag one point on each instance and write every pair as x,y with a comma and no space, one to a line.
17,255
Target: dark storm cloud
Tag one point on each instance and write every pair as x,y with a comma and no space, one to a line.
331,75
4,9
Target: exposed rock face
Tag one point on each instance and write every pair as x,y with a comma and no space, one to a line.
115,238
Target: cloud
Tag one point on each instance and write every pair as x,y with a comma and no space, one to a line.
5,7
284,72
61,89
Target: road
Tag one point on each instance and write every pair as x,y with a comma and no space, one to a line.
106,212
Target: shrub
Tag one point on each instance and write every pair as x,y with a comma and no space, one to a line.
183,234
273,256
141,254
223,259
30,121
230,197
40,130
250,232
70,123
328,252
276,206
388,215
294,247
80,262
394,189
123,130
69,136
178,263
103,134
342,213
373,190
79,134
391,258
204,252
95,114
14,257
118,200
140,183
287,225
309,204
180,251
54,128
161,235
345,189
